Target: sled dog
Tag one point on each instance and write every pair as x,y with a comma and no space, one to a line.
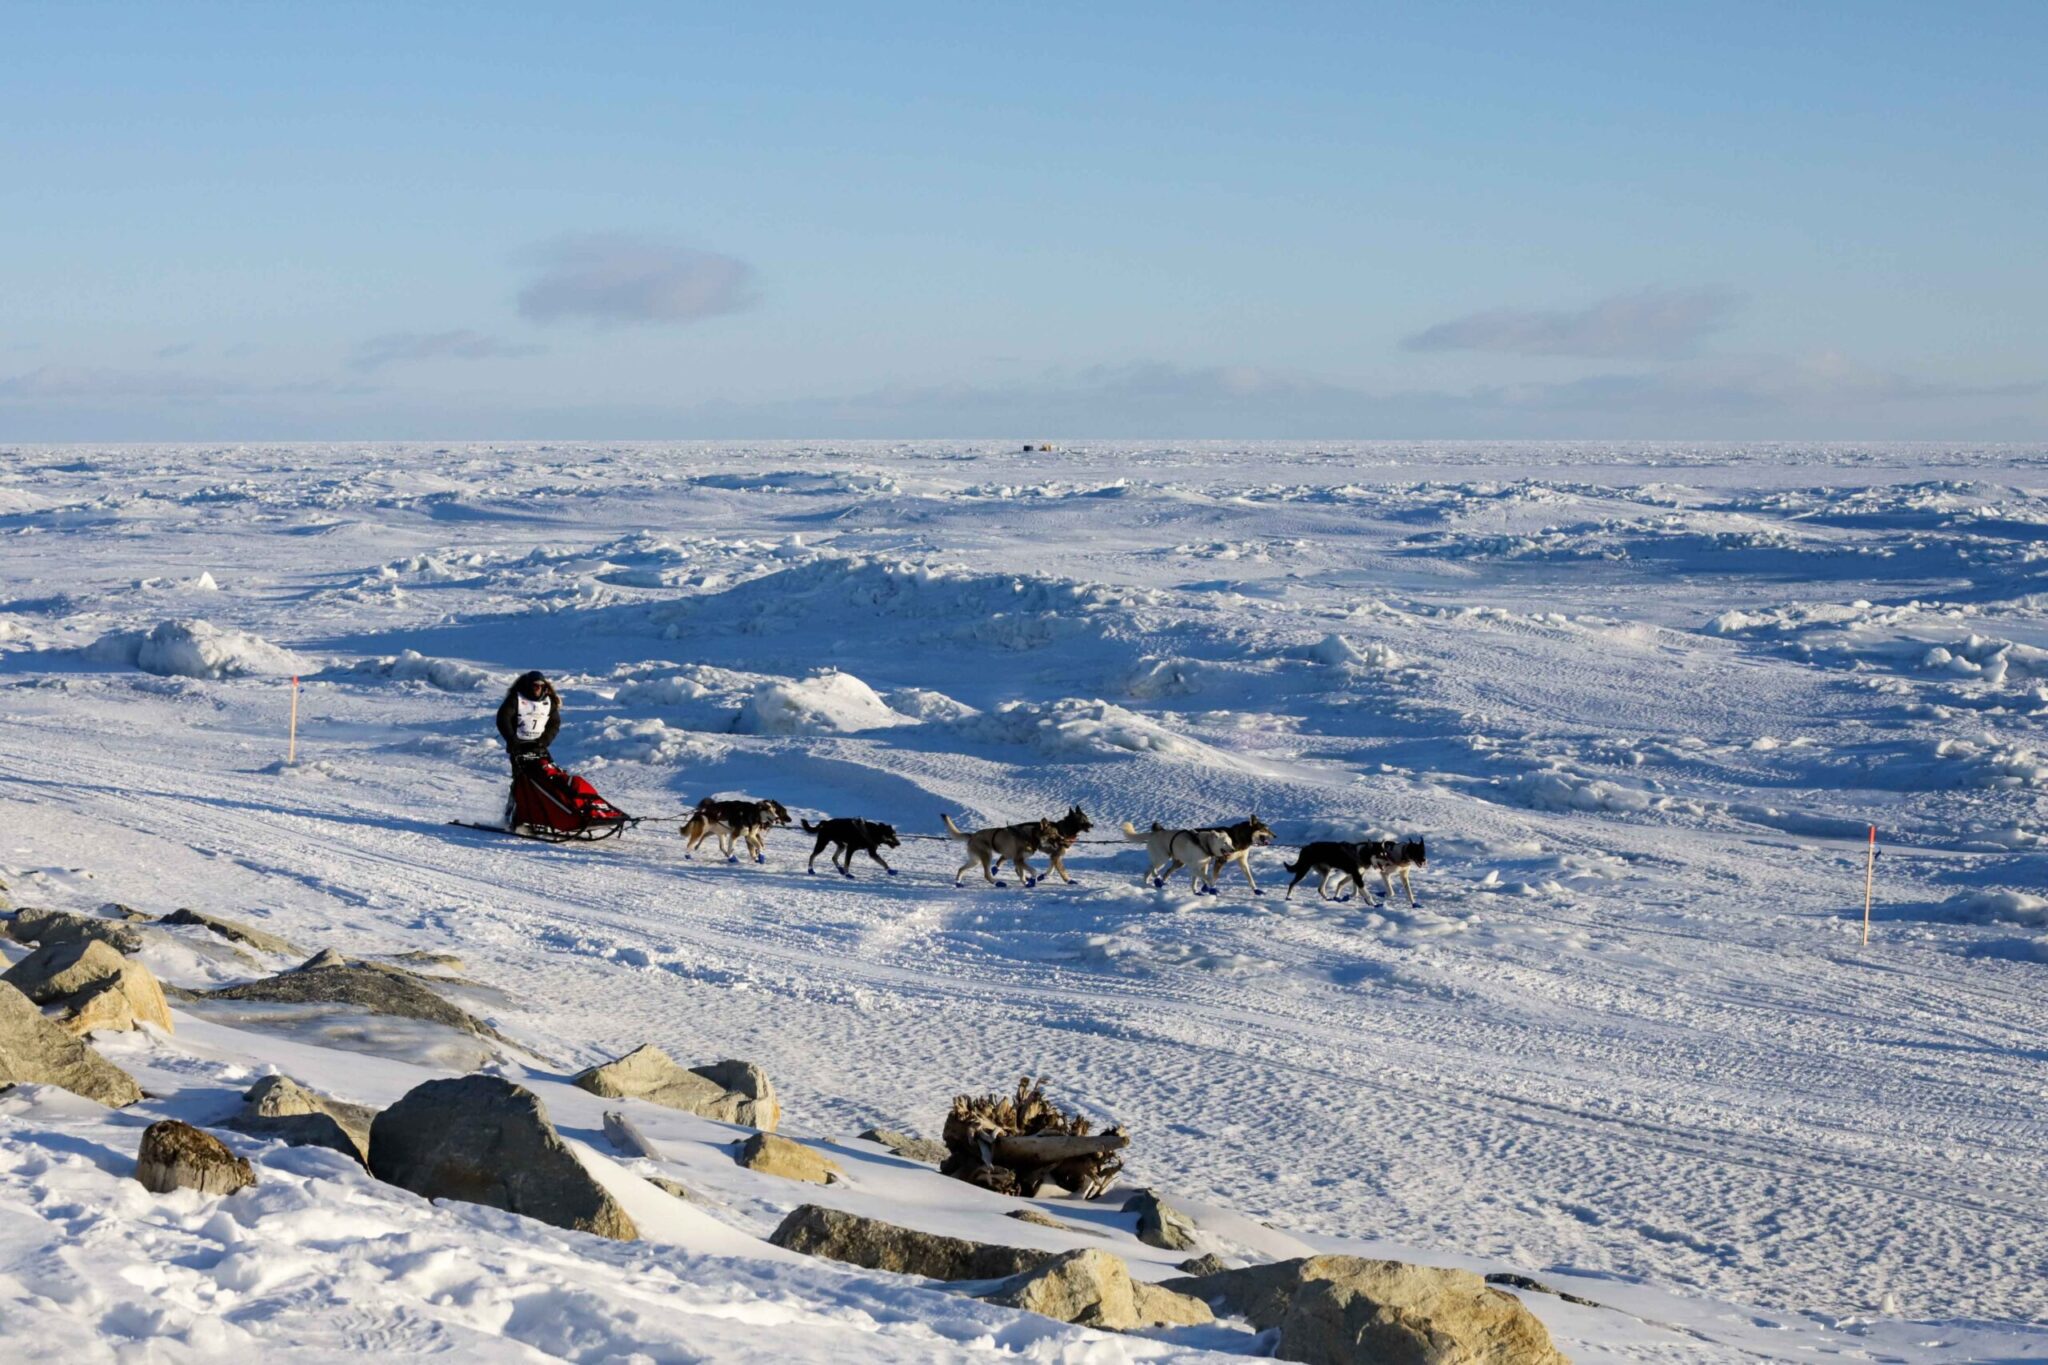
1199,850
730,822
1244,836
1071,827
1330,858
848,837
992,847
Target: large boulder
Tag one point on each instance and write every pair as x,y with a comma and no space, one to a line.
1094,1288
875,1245
40,927
328,977
484,1140
907,1146
176,1156
730,1091
1160,1224
94,986
279,1107
234,931
34,1050
772,1155
1338,1310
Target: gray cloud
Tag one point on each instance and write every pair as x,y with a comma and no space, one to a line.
1660,324
621,279
461,344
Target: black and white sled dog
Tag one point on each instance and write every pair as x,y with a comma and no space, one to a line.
1014,844
1329,858
733,822
1391,856
1201,851
1352,862
848,836
1244,836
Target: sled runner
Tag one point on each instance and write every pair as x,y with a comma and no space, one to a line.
550,804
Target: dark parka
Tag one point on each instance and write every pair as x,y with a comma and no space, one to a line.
527,750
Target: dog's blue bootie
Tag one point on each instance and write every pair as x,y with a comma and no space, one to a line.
847,875
762,859
890,870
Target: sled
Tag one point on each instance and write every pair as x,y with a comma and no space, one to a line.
557,807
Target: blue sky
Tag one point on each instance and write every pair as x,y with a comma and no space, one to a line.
259,221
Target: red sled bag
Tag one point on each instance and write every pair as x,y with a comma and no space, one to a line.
548,803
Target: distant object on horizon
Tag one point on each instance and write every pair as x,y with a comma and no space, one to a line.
1043,448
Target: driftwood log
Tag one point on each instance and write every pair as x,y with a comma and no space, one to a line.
1017,1144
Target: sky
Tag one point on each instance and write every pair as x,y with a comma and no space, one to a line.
621,221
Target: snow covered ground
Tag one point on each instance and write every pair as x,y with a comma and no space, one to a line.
1642,702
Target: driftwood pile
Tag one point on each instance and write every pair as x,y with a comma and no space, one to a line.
1016,1144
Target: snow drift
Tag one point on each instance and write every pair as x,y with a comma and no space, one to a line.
194,649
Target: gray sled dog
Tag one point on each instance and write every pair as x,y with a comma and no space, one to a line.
998,844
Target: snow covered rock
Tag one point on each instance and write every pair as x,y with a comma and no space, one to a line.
906,1146
772,1155
1160,1224
329,977
34,1050
875,1245
626,1139
176,1156
95,986
40,927
235,932
279,1107
1093,1288
1336,1310
484,1140
194,649
829,703
728,1091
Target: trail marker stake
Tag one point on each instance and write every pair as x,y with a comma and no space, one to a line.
291,756
1869,884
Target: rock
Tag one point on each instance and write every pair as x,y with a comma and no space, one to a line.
1335,1310
94,986
484,1140
1208,1263
648,1073
1159,1306
1534,1286
35,1050
908,1147
278,1107
42,927
1036,1219
176,1155
235,932
327,976
772,1155
761,1109
628,1140
674,1187
422,957
875,1245
1094,1288
1160,1224
116,910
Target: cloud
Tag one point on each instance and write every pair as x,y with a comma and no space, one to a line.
462,344
1658,324
620,279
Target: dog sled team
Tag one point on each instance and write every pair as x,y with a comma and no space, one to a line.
548,803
